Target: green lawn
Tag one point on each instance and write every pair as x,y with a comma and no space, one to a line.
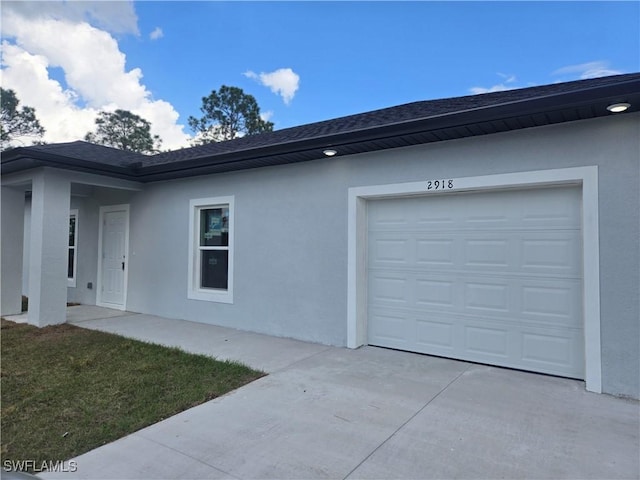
66,390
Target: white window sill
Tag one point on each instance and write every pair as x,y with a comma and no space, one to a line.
211,296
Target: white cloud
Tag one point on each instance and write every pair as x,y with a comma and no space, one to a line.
266,116
113,16
156,34
94,70
500,87
56,108
283,82
507,78
507,84
588,70
580,71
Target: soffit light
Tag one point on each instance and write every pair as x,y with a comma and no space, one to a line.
618,107
329,152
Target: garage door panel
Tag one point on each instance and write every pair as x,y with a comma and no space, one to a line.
487,342
555,302
486,296
436,221
389,289
435,336
391,251
492,277
479,221
395,330
435,293
481,339
535,253
435,251
548,349
389,217
546,208
552,253
552,208
492,252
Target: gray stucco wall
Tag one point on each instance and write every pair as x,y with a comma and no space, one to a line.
11,207
26,245
291,232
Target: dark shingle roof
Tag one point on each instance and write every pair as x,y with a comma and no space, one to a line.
383,117
79,156
97,153
403,125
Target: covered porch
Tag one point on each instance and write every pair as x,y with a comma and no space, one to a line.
51,243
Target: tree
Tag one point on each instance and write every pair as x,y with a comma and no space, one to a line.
227,114
124,130
17,122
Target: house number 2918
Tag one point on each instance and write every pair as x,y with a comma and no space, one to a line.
439,184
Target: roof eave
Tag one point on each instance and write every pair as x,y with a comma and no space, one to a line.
584,103
23,158
597,98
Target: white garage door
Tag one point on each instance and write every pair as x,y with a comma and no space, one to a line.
490,277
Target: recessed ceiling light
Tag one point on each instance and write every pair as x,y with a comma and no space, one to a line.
329,152
618,107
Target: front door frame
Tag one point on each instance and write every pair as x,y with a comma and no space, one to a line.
104,210
586,177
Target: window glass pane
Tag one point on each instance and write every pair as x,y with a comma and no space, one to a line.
72,253
214,268
214,227
72,231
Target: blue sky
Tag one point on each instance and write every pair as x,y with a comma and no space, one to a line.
303,61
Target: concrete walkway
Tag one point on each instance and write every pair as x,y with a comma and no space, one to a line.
327,412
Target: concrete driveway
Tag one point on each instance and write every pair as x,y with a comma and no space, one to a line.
327,412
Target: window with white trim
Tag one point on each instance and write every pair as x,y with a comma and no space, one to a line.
72,258
211,249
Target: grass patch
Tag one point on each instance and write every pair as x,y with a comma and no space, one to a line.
67,390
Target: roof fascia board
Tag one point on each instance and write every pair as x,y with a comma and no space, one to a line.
97,180
61,161
19,178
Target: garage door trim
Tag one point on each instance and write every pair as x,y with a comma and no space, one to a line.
586,177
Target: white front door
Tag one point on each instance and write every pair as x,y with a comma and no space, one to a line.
112,266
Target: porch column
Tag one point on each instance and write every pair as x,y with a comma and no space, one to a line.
12,200
49,242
